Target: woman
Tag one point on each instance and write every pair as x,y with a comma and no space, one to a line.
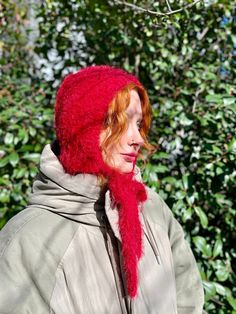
93,238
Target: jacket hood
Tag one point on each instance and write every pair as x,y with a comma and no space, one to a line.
77,197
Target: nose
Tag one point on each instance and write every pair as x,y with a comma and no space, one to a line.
136,138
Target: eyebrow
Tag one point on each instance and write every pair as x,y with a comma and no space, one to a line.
132,113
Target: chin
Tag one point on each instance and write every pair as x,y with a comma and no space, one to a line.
127,168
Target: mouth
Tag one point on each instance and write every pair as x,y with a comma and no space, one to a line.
130,157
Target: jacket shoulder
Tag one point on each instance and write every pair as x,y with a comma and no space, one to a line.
34,226
32,246
15,225
190,296
156,209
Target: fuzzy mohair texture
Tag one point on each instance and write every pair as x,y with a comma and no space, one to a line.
81,107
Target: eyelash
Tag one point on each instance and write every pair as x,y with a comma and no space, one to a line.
139,124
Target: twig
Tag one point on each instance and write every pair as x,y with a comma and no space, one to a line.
203,33
199,91
137,63
199,37
170,12
168,4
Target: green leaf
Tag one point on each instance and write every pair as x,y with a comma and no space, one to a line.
184,120
217,248
153,176
13,159
189,74
200,242
220,289
209,76
210,289
178,205
187,214
229,101
215,98
216,149
4,196
222,272
232,302
4,161
203,217
19,173
8,139
202,246
219,171
180,195
190,199
232,146
23,135
209,165
160,155
32,157
161,169
32,131
185,181
170,180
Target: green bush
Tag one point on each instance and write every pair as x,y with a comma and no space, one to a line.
187,63
26,125
26,114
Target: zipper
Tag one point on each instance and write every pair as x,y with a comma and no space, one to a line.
110,248
128,300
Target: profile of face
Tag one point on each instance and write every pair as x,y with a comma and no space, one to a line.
122,156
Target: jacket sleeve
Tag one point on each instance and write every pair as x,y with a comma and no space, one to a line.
189,289
27,267
19,292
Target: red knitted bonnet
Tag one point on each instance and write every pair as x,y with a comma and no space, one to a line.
81,107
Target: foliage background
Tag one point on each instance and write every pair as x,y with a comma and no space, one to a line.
187,63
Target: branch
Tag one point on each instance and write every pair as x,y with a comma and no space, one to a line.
168,4
150,12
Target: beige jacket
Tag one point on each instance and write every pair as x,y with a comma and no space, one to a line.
62,253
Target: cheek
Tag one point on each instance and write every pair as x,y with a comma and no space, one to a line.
124,138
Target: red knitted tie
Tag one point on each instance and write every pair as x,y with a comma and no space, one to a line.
127,200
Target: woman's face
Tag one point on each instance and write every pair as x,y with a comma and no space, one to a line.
124,154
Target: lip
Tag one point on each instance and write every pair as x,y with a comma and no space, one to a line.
130,157
130,154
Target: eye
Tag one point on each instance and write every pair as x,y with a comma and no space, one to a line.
140,124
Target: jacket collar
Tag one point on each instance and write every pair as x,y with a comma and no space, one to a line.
78,197
82,184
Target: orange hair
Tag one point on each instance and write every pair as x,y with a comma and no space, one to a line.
116,120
